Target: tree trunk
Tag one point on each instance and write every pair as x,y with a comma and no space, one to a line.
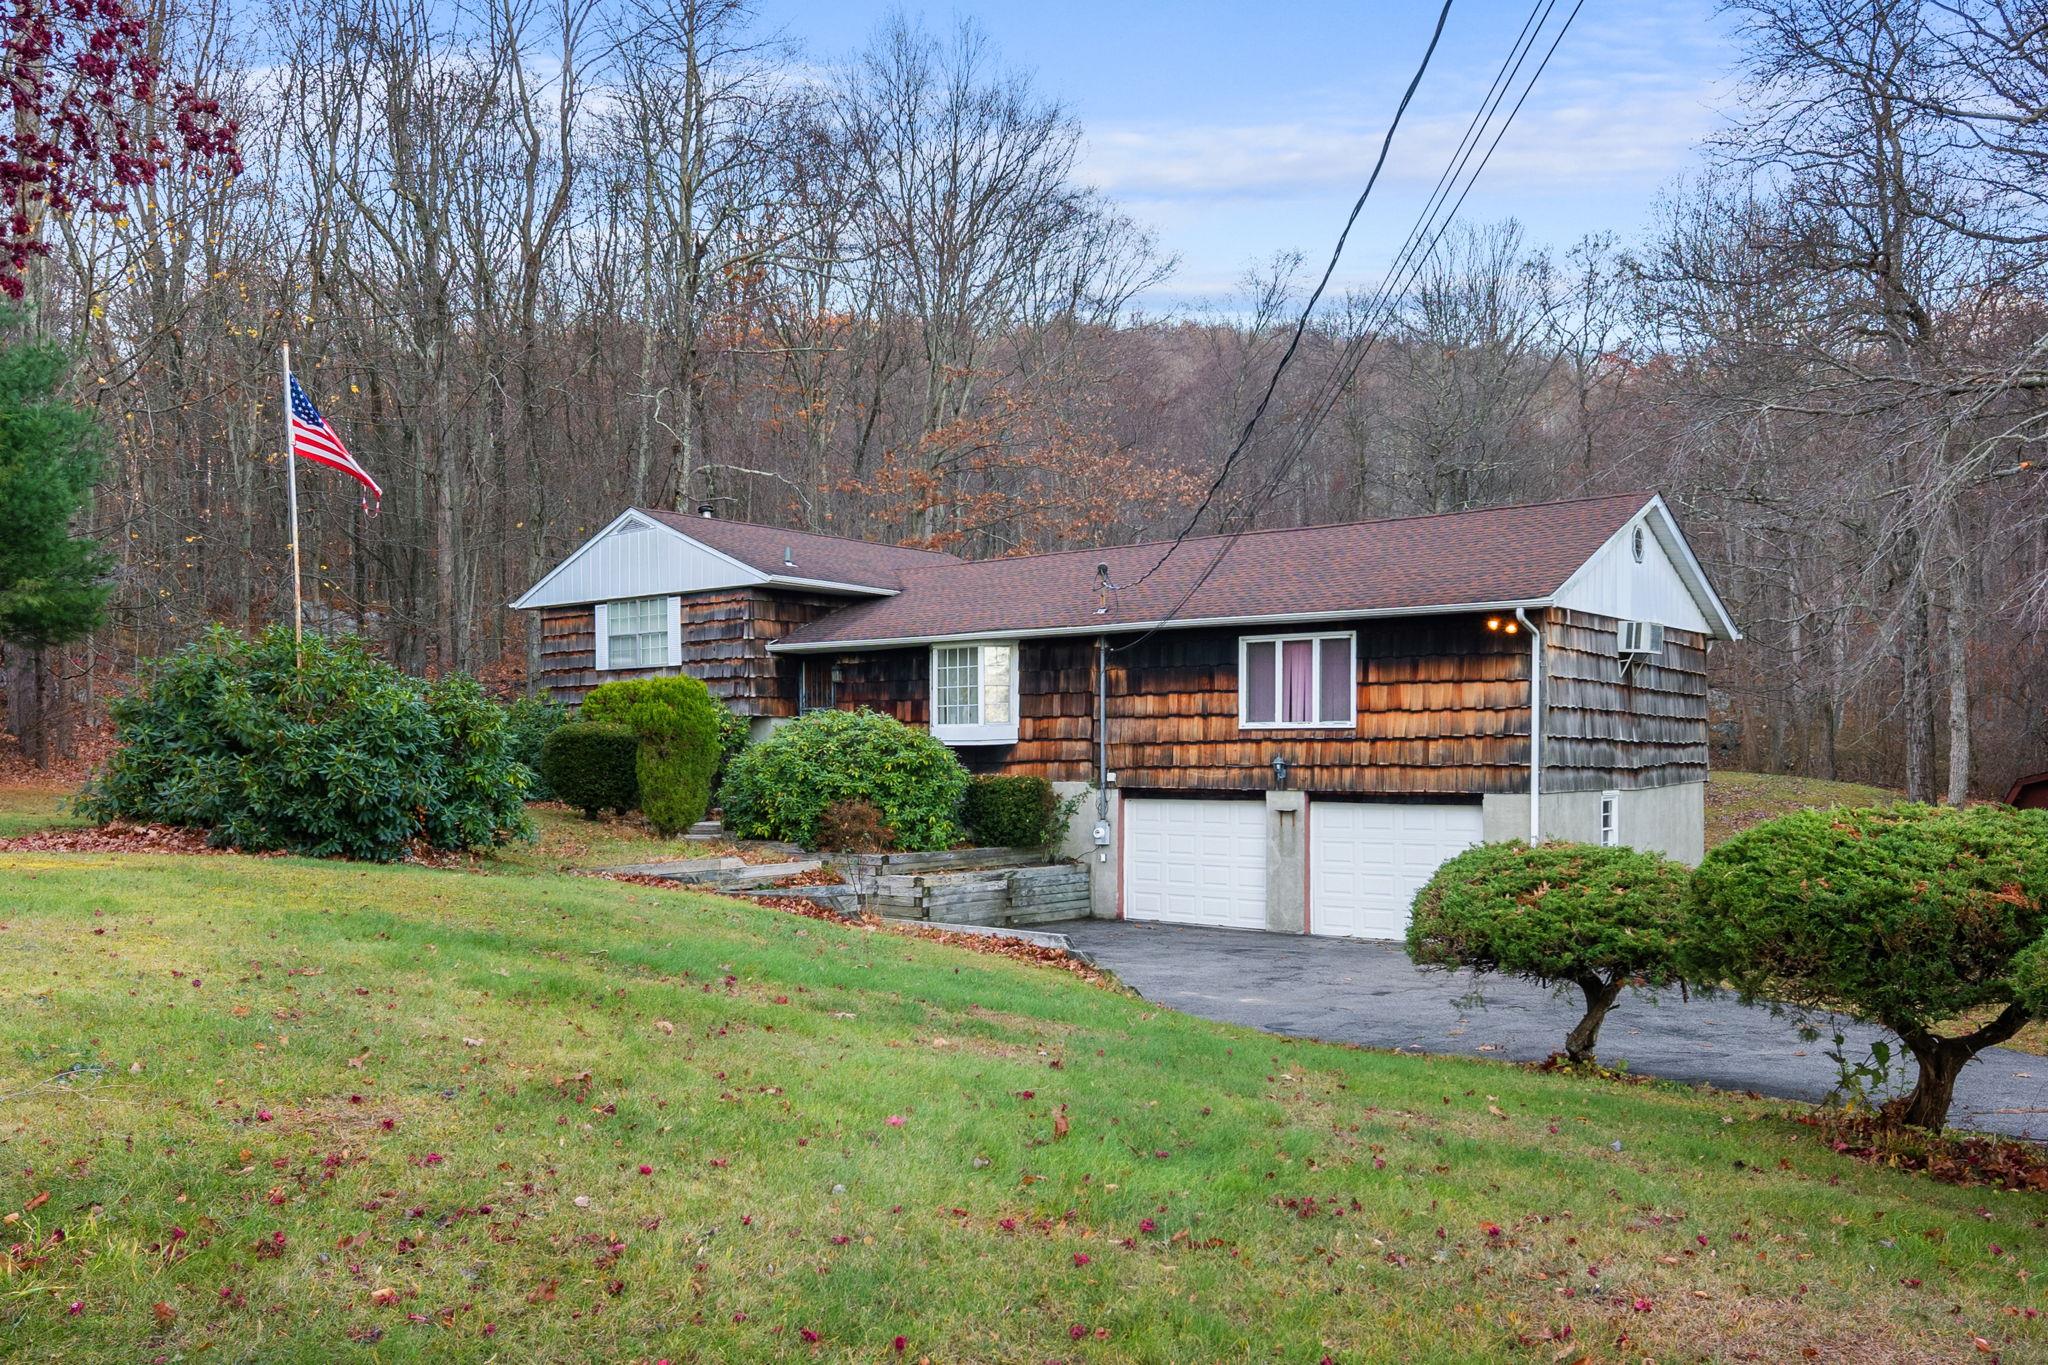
1940,1060
1918,688
1958,640
1600,998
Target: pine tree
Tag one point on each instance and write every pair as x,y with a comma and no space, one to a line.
52,582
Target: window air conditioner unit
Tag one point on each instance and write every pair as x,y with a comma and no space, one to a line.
1642,637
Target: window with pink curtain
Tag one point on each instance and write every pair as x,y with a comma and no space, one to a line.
1258,682
1339,681
1298,682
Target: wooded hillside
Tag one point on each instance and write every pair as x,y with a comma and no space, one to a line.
539,261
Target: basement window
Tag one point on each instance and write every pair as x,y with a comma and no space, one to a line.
1297,682
974,692
1610,818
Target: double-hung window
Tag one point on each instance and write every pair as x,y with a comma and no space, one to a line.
1298,682
974,692
640,632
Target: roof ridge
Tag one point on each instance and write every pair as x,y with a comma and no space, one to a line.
1640,496
665,513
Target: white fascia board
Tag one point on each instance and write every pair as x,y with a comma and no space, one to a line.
1665,528
528,598
1694,573
828,585
1126,627
745,575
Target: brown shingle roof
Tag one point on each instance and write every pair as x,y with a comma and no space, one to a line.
831,559
1481,558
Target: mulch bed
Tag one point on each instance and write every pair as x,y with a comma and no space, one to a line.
1953,1160
117,837
817,876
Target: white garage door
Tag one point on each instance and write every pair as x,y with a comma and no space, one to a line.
1367,859
1195,862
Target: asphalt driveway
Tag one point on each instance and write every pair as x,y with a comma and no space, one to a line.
1343,990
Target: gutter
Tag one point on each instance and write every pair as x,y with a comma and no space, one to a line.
1177,623
1535,726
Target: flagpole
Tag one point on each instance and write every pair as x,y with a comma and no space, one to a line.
291,495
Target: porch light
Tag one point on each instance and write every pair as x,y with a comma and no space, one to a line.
1510,628
1493,623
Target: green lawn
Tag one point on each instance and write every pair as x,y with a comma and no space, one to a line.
567,840
26,807
1735,801
325,1112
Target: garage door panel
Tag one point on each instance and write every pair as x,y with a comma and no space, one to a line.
1368,859
1195,862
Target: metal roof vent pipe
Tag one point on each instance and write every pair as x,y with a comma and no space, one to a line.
789,557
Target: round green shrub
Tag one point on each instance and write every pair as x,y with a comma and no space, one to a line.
528,723
778,788
735,732
1559,913
677,722
341,755
592,767
1012,812
1909,915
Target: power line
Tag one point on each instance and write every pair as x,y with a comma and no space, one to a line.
1308,309
1407,265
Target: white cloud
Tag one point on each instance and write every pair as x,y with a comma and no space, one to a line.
1583,142
1624,103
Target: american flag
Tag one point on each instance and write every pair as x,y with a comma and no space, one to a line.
314,440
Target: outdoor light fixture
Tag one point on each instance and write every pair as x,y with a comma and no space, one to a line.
1510,628
1280,767
1493,623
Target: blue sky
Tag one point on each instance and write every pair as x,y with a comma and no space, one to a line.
1239,129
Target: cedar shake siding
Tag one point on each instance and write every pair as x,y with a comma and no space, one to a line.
1622,723
725,643
1443,710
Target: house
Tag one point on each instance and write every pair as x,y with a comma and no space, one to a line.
1286,729
2029,792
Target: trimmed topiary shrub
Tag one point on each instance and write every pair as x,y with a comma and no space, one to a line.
1012,812
778,788
592,767
1561,914
1909,915
341,755
677,722
528,723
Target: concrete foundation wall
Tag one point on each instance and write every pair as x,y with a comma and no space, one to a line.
1668,820
1080,845
1286,862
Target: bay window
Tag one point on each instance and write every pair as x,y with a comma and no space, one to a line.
974,692
1295,682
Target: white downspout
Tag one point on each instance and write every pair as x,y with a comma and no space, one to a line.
1535,726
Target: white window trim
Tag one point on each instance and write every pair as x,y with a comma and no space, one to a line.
1610,818
601,652
1244,643
983,733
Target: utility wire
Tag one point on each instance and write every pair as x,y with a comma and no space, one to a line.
1308,309
1408,264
